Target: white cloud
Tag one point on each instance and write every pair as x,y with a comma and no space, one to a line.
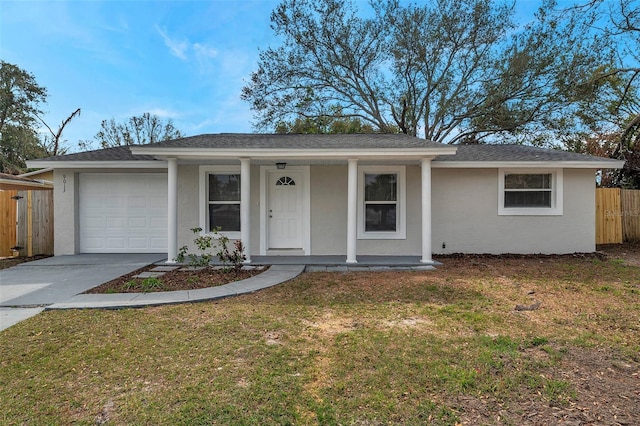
205,51
177,48
164,113
201,53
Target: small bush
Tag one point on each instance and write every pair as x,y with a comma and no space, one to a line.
206,243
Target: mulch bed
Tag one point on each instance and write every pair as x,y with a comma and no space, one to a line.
173,280
13,261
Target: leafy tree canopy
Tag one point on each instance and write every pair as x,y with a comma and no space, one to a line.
615,134
330,122
137,130
20,104
451,71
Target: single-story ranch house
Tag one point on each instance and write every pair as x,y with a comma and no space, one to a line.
349,195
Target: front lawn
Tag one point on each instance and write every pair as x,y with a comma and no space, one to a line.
445,347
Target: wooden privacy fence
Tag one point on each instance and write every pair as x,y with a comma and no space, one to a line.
26,225
8,221
617,215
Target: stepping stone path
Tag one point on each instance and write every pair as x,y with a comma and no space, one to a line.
156,272
159,271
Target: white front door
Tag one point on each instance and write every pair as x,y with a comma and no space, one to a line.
285,209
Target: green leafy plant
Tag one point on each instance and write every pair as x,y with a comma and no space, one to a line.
231,258
151,284
206,243
146,285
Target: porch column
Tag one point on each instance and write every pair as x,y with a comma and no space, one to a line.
426,211
245,206
172,212
352,210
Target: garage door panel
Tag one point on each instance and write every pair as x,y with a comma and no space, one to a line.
93,243
137,243
116,244
122,213
138,223
159,244
116,223
95,223
158,222
114,202
158,202
137,201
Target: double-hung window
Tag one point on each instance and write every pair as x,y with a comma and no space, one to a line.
381,202
530,192
220,198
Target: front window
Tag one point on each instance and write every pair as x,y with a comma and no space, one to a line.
220,199
381,199
530,192
224,202
527,190
381,202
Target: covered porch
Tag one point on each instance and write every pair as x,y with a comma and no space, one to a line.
352,202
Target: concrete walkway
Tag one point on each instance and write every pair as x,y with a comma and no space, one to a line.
58,283
276,274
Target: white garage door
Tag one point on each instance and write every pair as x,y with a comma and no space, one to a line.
123,213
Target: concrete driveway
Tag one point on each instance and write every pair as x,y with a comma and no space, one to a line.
26,289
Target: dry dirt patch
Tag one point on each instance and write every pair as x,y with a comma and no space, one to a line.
628,252
607,392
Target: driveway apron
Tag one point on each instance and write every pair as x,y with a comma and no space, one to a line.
52,280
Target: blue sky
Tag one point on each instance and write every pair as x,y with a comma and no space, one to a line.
184,60
181,60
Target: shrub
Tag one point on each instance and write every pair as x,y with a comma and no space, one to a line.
206,243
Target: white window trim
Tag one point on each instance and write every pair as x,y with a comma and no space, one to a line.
401,214
557,186
204,201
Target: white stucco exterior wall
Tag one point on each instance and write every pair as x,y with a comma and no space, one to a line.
189,206
329,215
65,212
464,211
465,216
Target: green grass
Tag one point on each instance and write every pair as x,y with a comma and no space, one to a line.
144,285
387,348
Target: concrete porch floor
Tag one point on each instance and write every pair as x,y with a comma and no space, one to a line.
333,262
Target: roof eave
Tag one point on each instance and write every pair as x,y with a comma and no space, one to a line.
589,164
104,164
8,185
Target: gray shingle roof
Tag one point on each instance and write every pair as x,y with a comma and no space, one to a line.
118,153
466,153
513,153
297,141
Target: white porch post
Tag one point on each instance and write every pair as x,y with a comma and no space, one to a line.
172,213
245,206
426,211
352,210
